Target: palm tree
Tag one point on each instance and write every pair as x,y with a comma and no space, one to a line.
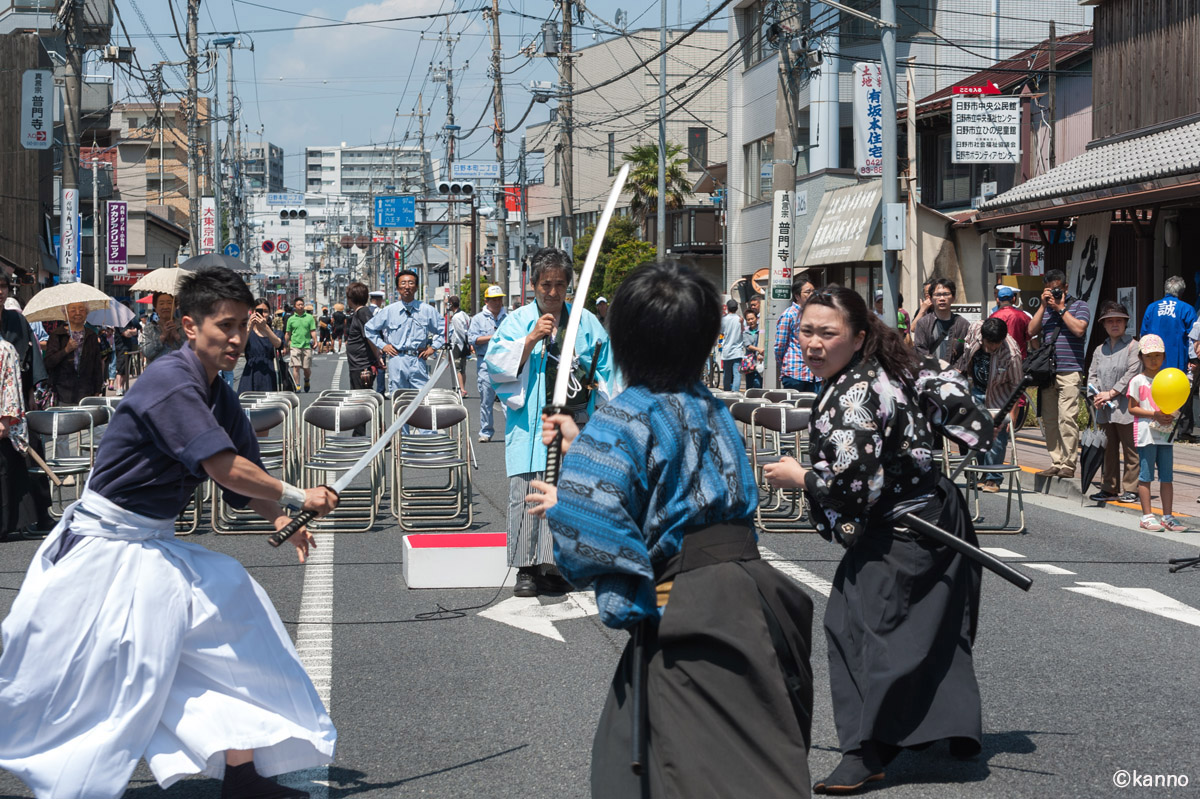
643,180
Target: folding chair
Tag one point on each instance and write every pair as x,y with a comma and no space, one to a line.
227,519
1012,485
329,450
438,507
57,423
783,509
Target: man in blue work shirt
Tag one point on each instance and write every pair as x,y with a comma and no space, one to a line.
407,332
483,326
1171,319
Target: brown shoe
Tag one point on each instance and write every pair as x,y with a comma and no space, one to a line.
991,487
1049,471
1065,473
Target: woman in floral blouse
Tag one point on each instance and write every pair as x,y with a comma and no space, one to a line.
900,621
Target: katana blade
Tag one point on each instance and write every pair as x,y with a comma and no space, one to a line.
348,476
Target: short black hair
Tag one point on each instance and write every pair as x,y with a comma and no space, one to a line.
944,283
262,301
993,330
203,290
799,281
731,306
454,301
298,299
404,272
549,258
1054,276
677,308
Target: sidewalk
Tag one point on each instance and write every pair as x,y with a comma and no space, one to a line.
1031,453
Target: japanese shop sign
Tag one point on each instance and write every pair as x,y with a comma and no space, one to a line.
118,237
986,130
868,120
37,109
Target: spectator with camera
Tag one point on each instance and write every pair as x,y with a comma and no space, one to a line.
1062,322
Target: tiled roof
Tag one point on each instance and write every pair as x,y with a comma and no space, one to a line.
1010,72
1137,160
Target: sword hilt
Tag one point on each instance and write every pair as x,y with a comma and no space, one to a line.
293,527
554,448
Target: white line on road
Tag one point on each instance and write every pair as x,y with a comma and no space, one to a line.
797,573
314,644
338,368
1047,568
1001,552
1146,599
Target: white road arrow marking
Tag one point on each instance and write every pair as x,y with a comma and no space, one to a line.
1001,552
527,613
1146,599
797,573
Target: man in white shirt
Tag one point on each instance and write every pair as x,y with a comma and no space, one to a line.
733,347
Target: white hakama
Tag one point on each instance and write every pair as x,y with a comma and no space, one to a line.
136,644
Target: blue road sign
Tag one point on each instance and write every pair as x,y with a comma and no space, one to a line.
232,250
396,211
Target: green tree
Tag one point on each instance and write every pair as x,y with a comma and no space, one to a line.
621,231
625,259
464,292
643,180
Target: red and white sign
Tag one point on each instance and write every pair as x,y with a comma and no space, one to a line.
283,246
868,121
987,88
268,246
208,225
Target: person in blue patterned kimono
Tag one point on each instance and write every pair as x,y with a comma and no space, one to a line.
902,616
523,362
654,507
407,332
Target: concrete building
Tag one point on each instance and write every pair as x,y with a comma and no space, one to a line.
262,166
361,171
610,121
947,40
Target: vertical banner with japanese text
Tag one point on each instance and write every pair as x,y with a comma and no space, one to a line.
779,282
37,109
868,119
208,225
118,237
69,242
1085,272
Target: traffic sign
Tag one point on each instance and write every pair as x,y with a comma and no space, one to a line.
268,246
232,250
396,211
488,171
283,246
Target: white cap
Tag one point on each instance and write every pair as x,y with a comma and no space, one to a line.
601,300
376,294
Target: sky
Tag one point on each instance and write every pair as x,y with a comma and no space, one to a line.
312,82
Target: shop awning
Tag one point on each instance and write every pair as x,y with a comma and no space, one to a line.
846,229
1128,172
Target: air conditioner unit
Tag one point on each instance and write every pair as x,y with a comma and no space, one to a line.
1004,260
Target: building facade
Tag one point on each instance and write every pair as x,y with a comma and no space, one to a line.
262,166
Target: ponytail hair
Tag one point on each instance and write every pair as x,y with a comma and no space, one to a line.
880,342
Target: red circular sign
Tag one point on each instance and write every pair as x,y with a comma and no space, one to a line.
268,246
283,246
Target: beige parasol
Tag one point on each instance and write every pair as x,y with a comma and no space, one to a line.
50,304
165,279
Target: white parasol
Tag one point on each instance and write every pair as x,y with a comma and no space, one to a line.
165,279
50,304
115,315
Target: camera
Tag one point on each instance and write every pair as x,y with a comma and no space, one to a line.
1057,294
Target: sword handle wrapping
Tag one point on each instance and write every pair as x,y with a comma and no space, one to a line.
303,518
554,448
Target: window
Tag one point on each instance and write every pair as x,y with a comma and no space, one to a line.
754,26
133,123
697,141
959,184
612,154
760,163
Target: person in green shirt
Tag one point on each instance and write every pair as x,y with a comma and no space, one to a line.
302,338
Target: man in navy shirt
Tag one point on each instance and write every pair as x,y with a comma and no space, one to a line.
1064,320
127,643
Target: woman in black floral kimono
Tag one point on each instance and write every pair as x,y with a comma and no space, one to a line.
901,619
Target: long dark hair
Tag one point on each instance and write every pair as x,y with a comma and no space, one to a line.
881,342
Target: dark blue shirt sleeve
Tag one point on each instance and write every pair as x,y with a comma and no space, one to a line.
183,424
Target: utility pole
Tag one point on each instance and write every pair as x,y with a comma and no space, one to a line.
566,143
1053,94
522,180
97,211
891,186
498,108
72,98
193,14
158,103
424,231
660,249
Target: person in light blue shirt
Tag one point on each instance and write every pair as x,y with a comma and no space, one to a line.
479,334
523,362
407,332
733,345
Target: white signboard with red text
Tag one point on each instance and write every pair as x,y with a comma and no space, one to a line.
868,119
37,109
208,225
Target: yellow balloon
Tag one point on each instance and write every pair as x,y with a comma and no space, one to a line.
1170,390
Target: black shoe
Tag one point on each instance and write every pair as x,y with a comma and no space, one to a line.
553,584
964,748
307,385
526,583
850,775
1103,496
244,782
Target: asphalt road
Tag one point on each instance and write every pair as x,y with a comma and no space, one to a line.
433,700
